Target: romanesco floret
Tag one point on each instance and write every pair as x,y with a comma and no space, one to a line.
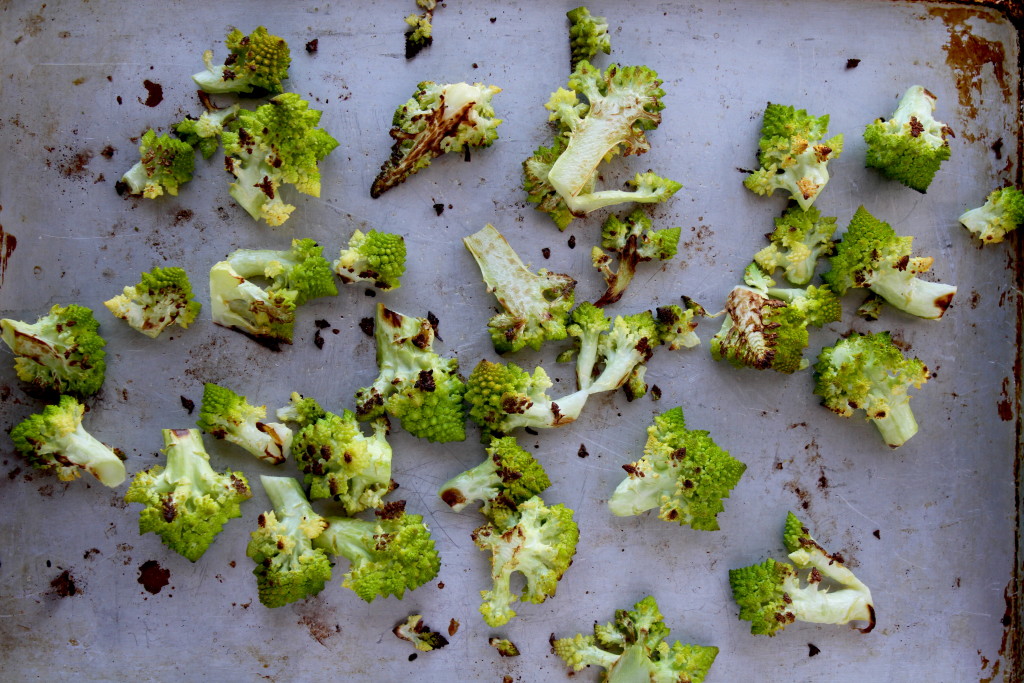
633,649
682,472
421,29
588,35
165,163
343,464
677,325
267,314
816,588
415,384
61,352
162,298
288,566
535,306
389,555
872,255
633,241
255,62
187,501
419,634
204,132
540,547
793,154
302,410
278,144
55,441
438,118
504,646
1002,212
377,257
509,476
622,103
869,373
911,145
229,416
800,238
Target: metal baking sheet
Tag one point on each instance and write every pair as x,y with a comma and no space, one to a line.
930,527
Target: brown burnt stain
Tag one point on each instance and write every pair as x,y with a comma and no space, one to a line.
582,452
1005,406
974,300
366,325
967,55
153,577
64,585
8,243
318,629
452,497
74,166
453,627
154,93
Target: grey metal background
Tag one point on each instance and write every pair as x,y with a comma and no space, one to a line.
929,527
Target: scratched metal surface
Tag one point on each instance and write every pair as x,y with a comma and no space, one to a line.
929,527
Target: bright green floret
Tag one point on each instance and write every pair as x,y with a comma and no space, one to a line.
633,241
288,567
420,34
204,133
869,373
793,154
292,277
165,163
162,298
301,410
540,547
415,385
816,588
872,255
682,472
389,555
509,476
588,35
911,145
342,464
437,119
258,61
280,143
187,501
377,257
229,416
535,306
632,649
55,442
1002,212
419,634
622,103
799,240
61,352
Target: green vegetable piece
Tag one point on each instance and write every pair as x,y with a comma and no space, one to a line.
162,298
588,35
165,163
1002,213
377,257
257,62
633,241
911,145
229,416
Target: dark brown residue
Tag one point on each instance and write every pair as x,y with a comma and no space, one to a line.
188,404
997,148
812,649
88,554
438,208
852,63
74,166
8,243
318,339
572,241
582,452
366,325
182,216
975,299
108,152
877,533
453,627
153,577
312,46
318,629
546,252
64,585
1005,406
154,93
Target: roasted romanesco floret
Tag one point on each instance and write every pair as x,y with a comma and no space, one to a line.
280,143
255,62
872,255
911,145
540,546
682,472
419,634
509,476
302,410
187,501
377,257
54,441
633,649
292,277
535,306
415,384
869,373
793,154
204,132
229,416
165,163
633,241
622,104
162,298
816,588
61,352
421,28
288,566
588,35
1002,213
800,238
